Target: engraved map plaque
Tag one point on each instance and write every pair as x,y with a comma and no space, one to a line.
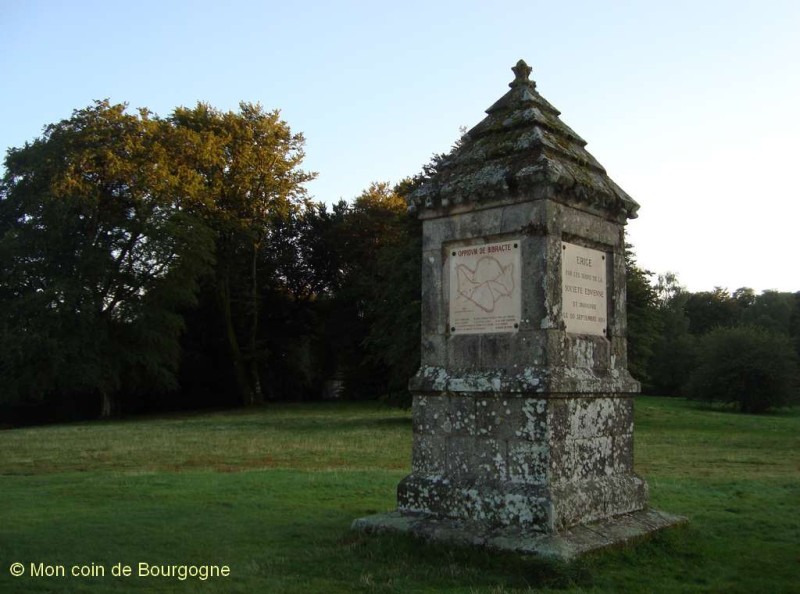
584,290
485,288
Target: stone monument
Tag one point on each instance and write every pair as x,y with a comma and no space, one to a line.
523,404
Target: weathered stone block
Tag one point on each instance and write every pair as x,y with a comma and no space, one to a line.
528,346
463,415
528,462
464,351
489,460
496,349
509,508
424,494
590,352
622,424
430,414
433,350
623,453
432,321
558,419
477,224
563,546
429,455
533,422
591,457
498,416
590,417
461,457
534,282
522,216
588,501
437,233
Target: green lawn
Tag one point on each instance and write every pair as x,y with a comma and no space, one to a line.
271,493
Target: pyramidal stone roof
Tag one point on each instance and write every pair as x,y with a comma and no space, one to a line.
520,152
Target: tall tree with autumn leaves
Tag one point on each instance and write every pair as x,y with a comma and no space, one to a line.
251,187
109,225
99,249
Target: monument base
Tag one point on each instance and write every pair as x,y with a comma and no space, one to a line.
539,507
563,546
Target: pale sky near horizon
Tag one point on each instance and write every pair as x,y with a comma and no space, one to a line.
693,107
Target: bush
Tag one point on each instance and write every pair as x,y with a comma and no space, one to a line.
750,368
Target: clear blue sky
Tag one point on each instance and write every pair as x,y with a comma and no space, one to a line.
693,106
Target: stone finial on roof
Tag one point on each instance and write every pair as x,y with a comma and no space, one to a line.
522,73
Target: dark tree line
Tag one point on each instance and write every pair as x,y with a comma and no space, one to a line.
150,263
735,348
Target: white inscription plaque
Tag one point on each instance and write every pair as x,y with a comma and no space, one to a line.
485,288
583,290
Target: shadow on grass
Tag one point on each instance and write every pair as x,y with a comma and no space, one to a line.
682,405
306,425
283,417
390,559
790,411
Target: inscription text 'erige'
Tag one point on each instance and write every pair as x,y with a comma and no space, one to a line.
583,286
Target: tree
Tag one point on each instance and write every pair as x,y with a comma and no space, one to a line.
708,310
794,323
644,322
251,185
371,293
744,297
98,252
394,307
675,350
771,310
750,368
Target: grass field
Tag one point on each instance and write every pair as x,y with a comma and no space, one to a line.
271,493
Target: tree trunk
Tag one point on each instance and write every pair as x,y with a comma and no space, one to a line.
237,360
255,379
107,408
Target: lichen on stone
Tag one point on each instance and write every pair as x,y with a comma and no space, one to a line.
521,146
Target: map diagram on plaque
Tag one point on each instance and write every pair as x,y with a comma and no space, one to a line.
484,288
487,283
